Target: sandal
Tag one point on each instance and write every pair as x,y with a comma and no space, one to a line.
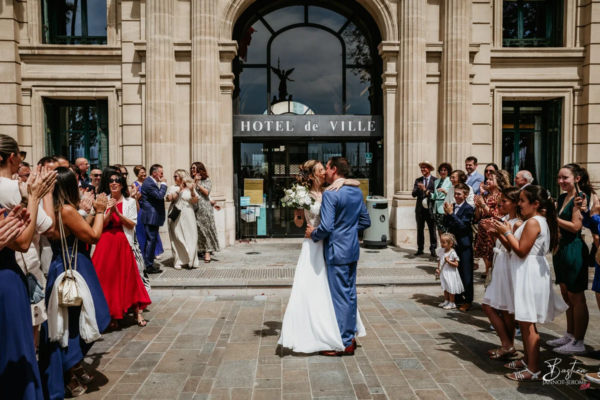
78,391
519,376
142,323
513,365
114,325
493,351
84,378
503,354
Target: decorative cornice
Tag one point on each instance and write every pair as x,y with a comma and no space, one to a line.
228,50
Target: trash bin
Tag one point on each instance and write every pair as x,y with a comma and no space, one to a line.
377,235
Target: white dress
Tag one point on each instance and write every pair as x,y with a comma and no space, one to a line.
500,294
449,276
535,300
183,232
309,323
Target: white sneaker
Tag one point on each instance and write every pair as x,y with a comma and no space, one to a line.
450,306
177,267
574,347
444,304
566,339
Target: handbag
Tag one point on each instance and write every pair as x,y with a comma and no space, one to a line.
174,214
68,294
34,287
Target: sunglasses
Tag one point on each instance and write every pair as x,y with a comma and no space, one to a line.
23,155
24,175
125,173
114,180
487,171
96,175
175,177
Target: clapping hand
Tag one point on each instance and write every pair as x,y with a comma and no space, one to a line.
101,203
479,201
41,182
422,186
87,201
442,191
13,225
135,193
448,208
501,227
111,204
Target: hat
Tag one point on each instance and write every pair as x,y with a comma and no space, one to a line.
426,164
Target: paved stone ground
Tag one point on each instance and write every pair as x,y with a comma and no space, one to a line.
225,348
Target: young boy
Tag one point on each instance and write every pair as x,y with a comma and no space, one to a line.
458,218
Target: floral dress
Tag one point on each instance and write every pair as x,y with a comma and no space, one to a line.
484,246
205,220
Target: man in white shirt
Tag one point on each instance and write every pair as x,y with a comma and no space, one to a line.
422,188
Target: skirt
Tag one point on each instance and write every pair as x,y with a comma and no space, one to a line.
54,361
450,279
499,294
19,373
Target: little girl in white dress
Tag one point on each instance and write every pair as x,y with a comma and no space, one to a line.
448,271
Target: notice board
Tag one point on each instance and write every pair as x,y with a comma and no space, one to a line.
253,188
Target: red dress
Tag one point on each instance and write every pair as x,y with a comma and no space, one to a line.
117,270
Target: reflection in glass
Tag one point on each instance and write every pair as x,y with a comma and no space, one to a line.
325,17
78,131
508,117
285,16
357,46
324,151
253,89
76,21
358,91
534,19
532,23
510,20
96,21
253,163
253,44
508,151
317,79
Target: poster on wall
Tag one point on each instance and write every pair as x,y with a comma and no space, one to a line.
253,188
364,188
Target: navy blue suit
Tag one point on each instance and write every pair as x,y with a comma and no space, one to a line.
459,224
343,216
152,207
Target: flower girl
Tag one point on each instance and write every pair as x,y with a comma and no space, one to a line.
498,301
448,272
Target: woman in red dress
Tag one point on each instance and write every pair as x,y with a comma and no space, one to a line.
113,258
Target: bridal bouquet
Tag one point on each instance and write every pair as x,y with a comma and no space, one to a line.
297,197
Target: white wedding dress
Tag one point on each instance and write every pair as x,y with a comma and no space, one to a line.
309,324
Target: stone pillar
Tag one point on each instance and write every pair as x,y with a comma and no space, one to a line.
206,93
160,85
411,117
454,143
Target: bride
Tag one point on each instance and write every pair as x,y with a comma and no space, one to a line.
309,324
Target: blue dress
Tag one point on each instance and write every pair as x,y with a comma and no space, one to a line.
594,226
19,373
140,230
54,361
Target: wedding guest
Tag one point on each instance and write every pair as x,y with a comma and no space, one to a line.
523,179
95,176
205,217
458,219
486,209
49,162
123,170
24,172
19,376
152,205
62,161
498,301
61,365
489,169
448,271
83,165
569,265
595,228
213,203
534,298
474,178
456,177
140,229
182,227
423,186
114,257
438,196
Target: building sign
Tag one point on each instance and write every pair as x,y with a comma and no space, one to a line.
307,125
253,188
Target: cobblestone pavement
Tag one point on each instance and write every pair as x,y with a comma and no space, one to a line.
225,348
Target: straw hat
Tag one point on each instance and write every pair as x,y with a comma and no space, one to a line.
426,164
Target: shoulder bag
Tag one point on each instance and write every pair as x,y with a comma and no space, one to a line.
68,294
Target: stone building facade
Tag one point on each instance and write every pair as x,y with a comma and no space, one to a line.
158,81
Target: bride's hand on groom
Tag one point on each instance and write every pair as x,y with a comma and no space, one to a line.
309,230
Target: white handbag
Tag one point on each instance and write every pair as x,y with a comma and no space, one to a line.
68,295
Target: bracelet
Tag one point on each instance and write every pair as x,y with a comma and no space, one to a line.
505,234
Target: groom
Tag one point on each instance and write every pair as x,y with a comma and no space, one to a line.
343,216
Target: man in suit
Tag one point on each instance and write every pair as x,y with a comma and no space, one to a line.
154,190
343,216
458,219
423,187
474,178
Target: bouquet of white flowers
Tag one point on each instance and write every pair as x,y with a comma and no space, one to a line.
297,197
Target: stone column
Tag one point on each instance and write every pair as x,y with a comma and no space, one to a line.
206,93
412,92
160,84
454,143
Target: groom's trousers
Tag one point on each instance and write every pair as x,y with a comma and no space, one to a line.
342,284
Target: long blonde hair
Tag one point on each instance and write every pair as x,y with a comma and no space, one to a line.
307,177
185,177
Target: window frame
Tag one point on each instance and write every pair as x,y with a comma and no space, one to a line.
50,26
554,27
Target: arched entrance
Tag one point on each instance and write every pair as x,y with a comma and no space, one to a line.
307,85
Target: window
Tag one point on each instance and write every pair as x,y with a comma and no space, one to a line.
531,134
306,59
74,21
532,23
77,129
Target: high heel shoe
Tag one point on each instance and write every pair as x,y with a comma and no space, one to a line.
78,391
83,378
